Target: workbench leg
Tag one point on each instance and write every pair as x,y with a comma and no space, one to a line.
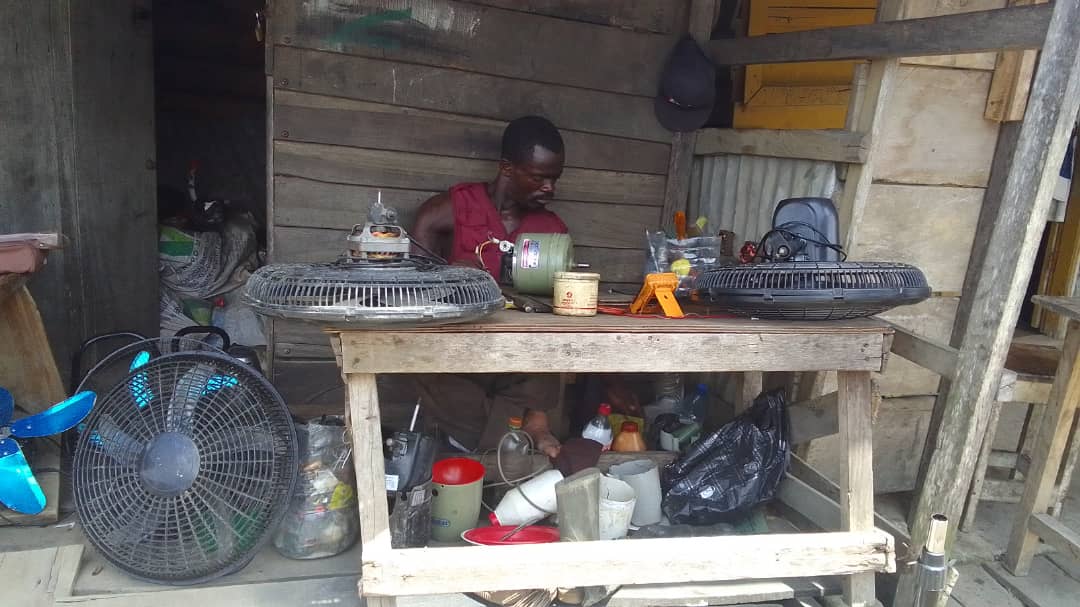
1046,454
751,383
857,484
1072,453
370,473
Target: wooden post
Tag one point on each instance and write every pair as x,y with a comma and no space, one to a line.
857,484
681,163
953,445
370,472
1046,457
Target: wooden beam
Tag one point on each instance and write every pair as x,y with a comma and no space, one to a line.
834,145
816,418
955,440
857,480
1055,533
927,353
646,561
1011,83
1021,27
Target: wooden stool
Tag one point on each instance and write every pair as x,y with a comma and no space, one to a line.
1056,430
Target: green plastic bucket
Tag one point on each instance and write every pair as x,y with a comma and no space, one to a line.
537,257
455,506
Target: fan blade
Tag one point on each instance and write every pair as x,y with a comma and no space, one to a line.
245,438
19,490
115,443
57,418
140,383
219,382
7,406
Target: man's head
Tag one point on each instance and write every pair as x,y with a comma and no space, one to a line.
532,160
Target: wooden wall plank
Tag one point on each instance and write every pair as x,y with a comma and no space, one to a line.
448,90
936,133
314,204
836,144
661,16
316,244
478,39
931,227
339,164
330,120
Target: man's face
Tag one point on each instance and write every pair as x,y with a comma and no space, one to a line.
532,183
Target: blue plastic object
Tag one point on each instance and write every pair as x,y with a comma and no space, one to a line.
19,490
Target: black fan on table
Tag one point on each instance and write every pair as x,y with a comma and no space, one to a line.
185,466
803,273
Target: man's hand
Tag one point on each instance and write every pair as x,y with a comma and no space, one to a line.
536,426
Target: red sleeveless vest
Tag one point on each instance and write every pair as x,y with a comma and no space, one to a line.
477,220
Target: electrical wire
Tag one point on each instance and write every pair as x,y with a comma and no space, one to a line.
783,229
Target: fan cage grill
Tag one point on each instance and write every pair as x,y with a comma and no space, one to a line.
376,292
813,290
248,467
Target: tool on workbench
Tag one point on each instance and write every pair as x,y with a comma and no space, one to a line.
377,281
659,288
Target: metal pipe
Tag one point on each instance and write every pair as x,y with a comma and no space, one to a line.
932,567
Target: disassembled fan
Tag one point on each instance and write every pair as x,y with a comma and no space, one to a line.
377,282
802,274
19,490
186,465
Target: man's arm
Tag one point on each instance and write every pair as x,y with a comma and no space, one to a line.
434,225
536,426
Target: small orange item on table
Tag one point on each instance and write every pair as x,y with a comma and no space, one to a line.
659,287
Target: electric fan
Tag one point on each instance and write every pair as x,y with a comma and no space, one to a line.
378,281
803,273
185,466
19,490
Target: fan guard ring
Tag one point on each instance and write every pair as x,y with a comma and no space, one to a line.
808,290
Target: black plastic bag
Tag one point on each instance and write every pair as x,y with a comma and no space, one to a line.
726,474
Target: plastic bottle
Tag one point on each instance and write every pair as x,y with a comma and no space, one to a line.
629,439
599,428
694,407
668,388
514,458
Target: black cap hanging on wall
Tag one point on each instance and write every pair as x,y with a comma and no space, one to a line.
687,88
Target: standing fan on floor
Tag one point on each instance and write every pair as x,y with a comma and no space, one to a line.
803,273
19,490
185,466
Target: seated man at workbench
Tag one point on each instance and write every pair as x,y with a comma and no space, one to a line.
473,409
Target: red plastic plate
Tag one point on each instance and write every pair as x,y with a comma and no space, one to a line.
489,536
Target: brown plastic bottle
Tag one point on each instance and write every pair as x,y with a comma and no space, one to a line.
629,439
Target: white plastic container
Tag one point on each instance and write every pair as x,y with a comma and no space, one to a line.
513,509
644,477
617,501
576,293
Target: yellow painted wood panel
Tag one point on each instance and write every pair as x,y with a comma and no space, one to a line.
823,84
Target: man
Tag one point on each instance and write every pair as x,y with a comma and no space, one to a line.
473,409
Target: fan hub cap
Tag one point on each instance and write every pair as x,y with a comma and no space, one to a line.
170,464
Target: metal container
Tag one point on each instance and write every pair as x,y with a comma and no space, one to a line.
575,293
537,257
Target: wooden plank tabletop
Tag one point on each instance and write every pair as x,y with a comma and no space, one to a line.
1068,307
512,321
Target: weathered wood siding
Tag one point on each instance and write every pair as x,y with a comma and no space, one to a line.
410,97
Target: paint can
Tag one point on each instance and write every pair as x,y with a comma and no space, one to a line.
576,293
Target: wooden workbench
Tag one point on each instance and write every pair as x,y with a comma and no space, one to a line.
534,343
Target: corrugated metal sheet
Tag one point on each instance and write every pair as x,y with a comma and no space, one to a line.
739,193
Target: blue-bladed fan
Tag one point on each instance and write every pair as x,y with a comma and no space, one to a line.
186,464
19,490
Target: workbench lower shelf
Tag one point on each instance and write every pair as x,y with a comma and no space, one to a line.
411,571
